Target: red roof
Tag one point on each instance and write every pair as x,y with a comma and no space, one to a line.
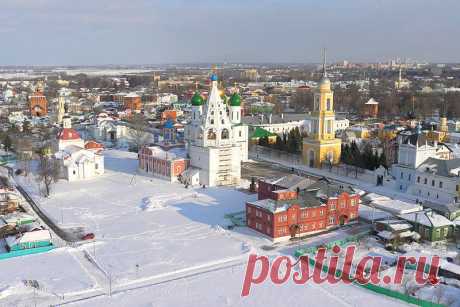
93,145
68,134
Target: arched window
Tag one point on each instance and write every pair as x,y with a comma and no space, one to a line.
328,104
212,121
225,134
211,134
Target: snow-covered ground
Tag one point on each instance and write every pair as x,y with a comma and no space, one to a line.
57,273
223,288
145,226
157,244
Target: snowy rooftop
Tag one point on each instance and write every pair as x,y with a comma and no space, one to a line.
395,206
427,218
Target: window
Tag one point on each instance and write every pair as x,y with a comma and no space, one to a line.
408,177
425,181
321,212
342,204
211,134
96,166
352,202
331,220
418,179
282,218
269,218
240,133
328,104
258,213
440,184
304,214
402,175
332,206
212,121
222,122
432,183
225,134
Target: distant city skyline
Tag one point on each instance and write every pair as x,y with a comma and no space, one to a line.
85,32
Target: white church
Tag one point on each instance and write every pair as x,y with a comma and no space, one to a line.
216,140
78,160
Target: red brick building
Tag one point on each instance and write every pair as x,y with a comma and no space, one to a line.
166,164
38,104
294,212
132,102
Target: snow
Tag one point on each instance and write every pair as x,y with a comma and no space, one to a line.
395,206
160,244
57,273
429,219
147,226
223,288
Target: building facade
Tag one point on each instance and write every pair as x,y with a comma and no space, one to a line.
322,145
38,104
295,212
216,140
162,163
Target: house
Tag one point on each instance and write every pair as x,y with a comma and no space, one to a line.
430,225
162,163
449,210
28,240
290,213
18,218
393,230
292,182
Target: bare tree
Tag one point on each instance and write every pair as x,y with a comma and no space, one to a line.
137,130
47,171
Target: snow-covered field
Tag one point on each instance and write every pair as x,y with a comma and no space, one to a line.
57,273
145,226
157,244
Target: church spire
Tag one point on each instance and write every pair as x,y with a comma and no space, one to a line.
324,63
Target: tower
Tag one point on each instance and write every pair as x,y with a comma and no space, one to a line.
216,144
61,107
321,146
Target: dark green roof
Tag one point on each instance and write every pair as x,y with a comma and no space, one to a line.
197,100
261,132
235,100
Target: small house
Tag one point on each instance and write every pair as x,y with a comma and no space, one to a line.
430,225
28,240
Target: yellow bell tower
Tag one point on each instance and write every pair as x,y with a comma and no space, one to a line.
321,146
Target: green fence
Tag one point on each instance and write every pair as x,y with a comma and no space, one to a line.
377,289
24,252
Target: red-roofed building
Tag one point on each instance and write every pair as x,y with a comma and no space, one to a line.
94,146
68,136
302,210
38,104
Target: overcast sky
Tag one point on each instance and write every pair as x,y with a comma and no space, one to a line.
88,32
